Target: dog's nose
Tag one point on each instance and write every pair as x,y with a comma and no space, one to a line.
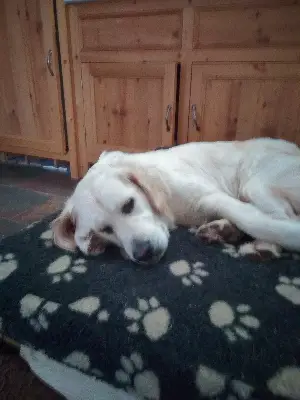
142,250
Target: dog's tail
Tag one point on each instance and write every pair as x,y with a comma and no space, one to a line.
255,223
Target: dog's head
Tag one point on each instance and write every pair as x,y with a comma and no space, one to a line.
119,203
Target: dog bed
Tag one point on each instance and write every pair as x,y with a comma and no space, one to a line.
200,324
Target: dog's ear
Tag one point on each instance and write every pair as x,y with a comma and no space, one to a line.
155,190
63,228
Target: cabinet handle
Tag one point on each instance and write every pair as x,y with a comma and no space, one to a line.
49,62
194,117
169,108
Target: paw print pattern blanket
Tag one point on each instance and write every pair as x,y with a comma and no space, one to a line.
201,324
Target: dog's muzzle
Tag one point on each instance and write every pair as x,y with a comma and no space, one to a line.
145,253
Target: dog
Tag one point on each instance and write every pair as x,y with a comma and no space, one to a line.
227,189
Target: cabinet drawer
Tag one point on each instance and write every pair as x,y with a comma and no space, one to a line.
247,27
132,32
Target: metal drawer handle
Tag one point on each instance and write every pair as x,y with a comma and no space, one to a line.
49,62
169,108
194,117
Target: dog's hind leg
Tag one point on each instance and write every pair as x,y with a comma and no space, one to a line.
291,195
259,250
271,201
249,219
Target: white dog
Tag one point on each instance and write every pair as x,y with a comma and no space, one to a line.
134,200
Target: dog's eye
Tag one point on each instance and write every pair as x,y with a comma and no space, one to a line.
128,207
107,229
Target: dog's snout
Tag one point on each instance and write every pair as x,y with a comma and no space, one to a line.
143,251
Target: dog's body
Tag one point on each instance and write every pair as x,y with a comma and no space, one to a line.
254,184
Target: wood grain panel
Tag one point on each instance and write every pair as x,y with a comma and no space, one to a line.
133,7
247,27
122,106
222,99
69,101
9,119
241,101
135,32
125,106
32,111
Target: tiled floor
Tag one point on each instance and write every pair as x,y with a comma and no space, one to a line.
28,194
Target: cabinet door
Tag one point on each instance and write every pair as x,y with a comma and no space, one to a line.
30,108
241,101
128,106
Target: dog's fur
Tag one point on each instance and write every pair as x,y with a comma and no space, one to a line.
254,185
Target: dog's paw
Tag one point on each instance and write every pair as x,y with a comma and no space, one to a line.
259,250
219,231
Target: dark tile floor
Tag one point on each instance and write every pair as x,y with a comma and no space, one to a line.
27,194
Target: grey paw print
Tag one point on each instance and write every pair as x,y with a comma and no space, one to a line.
289,288
137,380
89,306
236,323
214,385
47,238
81,361
8,264
37,310
63,268
149,317
189,273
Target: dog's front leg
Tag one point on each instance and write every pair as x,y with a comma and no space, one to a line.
222,206
216,229
220,231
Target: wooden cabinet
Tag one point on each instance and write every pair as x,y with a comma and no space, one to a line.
240,101
244,72
125,87
239,72
141,74
31,116
128,106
